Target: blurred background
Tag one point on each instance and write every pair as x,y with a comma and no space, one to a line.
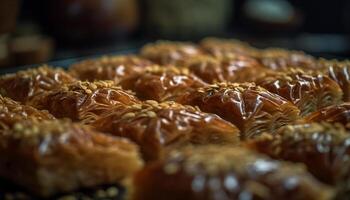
36,31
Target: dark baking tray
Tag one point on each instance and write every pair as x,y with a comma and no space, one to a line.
9,191
65,63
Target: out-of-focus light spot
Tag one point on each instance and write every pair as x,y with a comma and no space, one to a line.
273,11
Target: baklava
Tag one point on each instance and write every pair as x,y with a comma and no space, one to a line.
232,68
116,68
308,91
51,157
251,108
158,127
332,114
164,83
213,172
170,53
24,85
12,112
83,101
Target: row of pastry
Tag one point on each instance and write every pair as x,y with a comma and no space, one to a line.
182,121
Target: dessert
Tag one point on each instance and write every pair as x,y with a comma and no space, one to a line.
158,127
83,101
116,68
24,85
213,172
164,83
251,108
169,53
51,157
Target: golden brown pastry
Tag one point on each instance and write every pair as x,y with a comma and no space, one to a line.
251,108
164,83
223,47
333,114
12,112
169,53
339,72
324,148
51,157
232,68
157,127
276,59
213,172
116,68
307,91
84,101
24,85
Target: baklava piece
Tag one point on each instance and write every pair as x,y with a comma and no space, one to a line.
251,108
158,127
164,83
169,53
213,172
339,72
84,101
116,68
12,112
24,85
222,47
332,114
233,68
324,148
277,59
307,91
52,157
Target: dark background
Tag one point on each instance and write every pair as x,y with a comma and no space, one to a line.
76,28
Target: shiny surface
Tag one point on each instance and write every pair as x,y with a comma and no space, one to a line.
223,173
24,85
275,59
339,72
272,58
12,112
233,68
306,90
224,47
116,68
84,101
251,108
332,114
157,127
164,83
169,53
323,148
50,157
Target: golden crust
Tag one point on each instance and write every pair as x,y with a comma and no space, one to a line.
24,85
169,53
116,68
212,172
251,108
156,127
12,112
51,157
84,101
